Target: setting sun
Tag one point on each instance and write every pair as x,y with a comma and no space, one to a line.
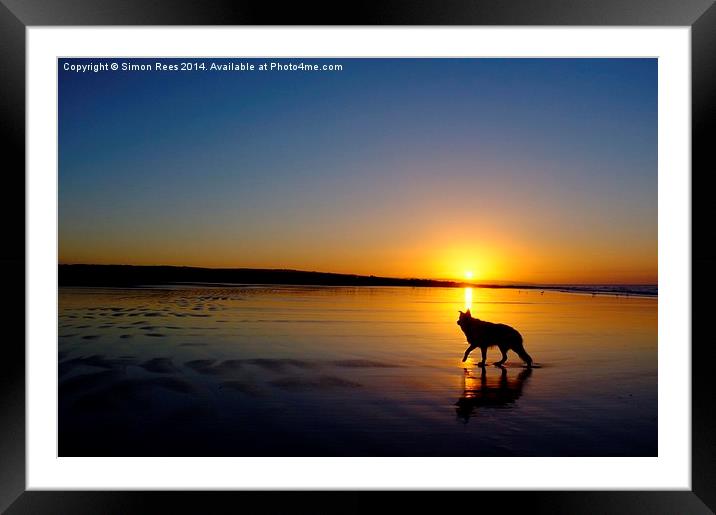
469,274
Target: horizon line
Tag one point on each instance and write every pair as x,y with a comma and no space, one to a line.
479,282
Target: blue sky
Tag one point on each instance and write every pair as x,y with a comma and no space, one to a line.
408,167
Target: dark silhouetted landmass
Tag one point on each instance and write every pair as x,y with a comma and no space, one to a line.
128,275
131,275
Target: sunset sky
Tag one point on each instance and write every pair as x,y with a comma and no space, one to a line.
525,170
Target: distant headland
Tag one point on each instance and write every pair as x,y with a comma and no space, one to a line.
131,275
158,275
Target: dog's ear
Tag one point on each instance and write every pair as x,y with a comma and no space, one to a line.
468,313
460,312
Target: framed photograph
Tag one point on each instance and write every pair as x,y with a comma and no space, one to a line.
440,249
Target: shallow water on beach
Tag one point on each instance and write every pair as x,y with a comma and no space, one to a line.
351,371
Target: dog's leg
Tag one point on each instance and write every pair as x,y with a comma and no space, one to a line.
504,358
522,353
467,352
484,357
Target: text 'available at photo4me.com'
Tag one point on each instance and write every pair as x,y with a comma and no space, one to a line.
208,66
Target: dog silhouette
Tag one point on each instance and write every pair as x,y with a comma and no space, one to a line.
486,334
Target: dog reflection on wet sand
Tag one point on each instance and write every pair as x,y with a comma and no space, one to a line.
481,392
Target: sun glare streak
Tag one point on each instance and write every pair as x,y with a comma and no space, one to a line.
468,298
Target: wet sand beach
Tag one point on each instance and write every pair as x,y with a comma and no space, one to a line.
351,371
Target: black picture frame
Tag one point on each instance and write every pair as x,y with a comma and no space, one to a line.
17,15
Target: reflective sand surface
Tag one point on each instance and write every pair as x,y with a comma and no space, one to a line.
317,371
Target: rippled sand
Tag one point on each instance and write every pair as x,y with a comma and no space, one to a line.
318,371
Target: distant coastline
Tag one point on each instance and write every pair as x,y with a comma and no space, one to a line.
137,275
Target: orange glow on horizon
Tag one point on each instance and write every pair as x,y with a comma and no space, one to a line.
435,253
